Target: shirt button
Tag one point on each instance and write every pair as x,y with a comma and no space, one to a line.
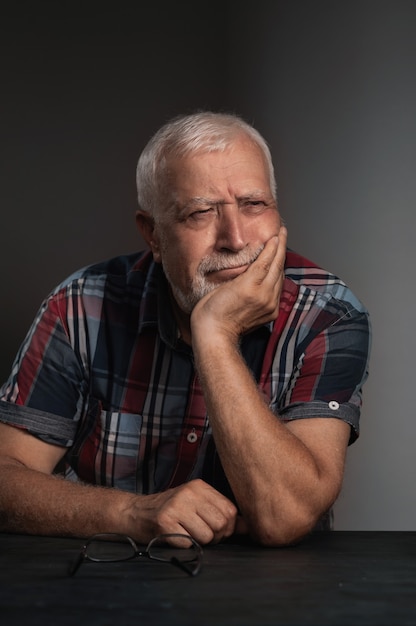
192,437
333,405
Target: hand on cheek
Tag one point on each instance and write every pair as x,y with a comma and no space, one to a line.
250,299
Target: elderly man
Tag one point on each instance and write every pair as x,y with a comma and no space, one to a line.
209,386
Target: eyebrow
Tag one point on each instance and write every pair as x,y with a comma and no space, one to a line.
202,201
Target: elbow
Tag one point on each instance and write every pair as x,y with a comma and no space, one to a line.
281,538
278,533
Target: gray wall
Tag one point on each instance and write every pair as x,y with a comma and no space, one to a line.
81,91
332,86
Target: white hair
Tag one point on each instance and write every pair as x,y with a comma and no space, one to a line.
204,131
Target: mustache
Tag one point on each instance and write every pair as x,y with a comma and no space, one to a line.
225,261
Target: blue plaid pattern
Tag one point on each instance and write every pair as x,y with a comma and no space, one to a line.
103,372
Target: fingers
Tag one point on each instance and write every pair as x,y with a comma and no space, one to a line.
215,515
247,301
271,260
280,258
197,509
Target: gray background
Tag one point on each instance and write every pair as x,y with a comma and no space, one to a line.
332,86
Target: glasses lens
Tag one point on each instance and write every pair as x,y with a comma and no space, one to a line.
177,547
110,548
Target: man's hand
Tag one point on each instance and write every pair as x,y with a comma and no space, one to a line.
283,476
37,502
247,301
194,508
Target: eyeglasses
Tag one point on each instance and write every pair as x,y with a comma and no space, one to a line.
179,550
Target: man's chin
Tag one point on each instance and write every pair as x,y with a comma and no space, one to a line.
187,302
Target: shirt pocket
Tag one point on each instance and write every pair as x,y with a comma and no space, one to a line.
109,451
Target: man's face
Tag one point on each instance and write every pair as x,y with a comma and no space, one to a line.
220,214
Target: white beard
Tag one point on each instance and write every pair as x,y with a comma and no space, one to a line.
200,286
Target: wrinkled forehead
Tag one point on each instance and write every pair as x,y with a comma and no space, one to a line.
214,177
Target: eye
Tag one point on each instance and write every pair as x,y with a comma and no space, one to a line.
201,214
253,206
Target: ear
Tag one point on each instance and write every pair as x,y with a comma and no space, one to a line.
146,227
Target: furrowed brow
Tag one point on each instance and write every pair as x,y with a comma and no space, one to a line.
201,201
197,203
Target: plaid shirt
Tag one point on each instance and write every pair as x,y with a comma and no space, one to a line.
103,372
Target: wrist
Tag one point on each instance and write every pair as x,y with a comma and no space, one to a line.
214,338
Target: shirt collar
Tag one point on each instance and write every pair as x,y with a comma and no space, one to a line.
156,306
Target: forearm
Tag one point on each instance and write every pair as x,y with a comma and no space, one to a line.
278,485
36,503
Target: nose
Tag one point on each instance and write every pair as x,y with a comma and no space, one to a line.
231,233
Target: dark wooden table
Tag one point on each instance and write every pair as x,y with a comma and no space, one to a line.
343,577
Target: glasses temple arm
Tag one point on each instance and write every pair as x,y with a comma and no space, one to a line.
76,564
183,566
